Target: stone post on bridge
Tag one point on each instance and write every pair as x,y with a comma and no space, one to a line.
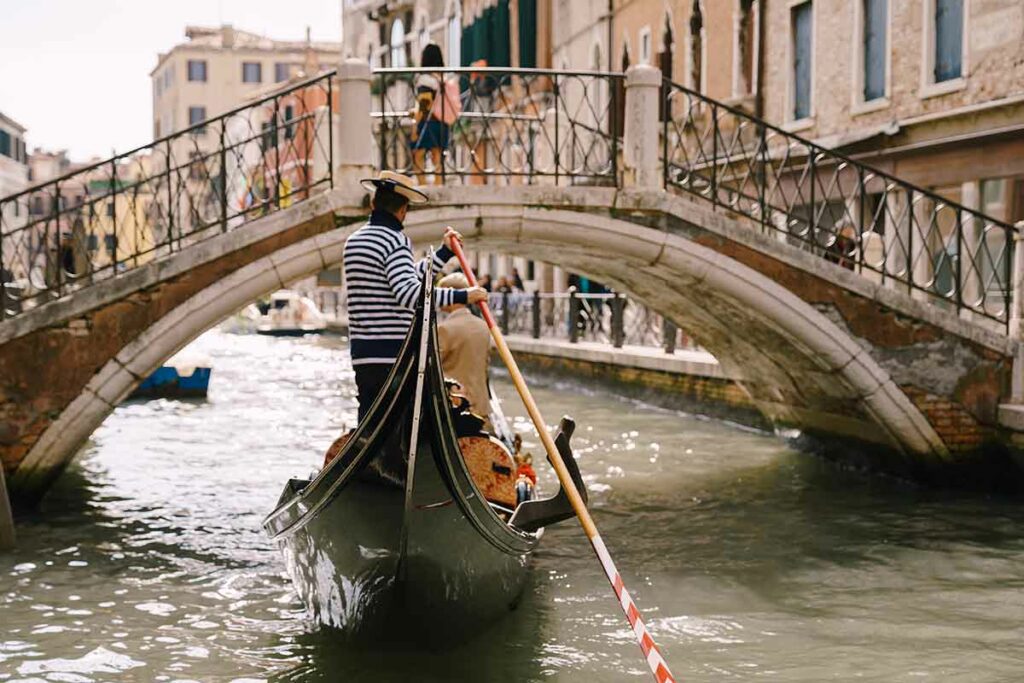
1017,314
640,148
353,141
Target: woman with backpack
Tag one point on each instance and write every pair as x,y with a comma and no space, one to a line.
437,107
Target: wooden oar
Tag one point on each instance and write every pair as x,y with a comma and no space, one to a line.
654,659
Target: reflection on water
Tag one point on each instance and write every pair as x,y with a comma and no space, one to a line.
146,563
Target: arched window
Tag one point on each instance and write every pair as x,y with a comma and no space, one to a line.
696,47
398,44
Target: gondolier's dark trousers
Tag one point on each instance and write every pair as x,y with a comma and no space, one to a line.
370,380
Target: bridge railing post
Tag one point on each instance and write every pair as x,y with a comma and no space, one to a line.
574,316
1016,288
641,160
618,322
353,151
668,332
536,314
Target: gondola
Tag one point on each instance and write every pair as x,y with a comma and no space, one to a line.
393,539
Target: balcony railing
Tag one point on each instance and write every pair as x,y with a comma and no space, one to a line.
846,212
521,126
111,217
609,318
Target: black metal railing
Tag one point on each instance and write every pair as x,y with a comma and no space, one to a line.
521,125
849,213
110,217
607,318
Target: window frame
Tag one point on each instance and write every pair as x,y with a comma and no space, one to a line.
929,87
858,105
259,72
188,68
737,67
192,108
792,123
645,38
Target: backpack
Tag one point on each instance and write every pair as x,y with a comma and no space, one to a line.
448,103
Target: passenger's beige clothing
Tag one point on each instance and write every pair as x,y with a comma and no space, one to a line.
465,345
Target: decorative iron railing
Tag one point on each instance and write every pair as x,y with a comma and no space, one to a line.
522,126
110,217
609,318
849,213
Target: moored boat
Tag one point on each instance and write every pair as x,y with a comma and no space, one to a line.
394,537
289,314
182,376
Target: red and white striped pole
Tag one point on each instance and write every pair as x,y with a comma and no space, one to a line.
653,656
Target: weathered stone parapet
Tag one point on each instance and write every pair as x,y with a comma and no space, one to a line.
353,139
640,154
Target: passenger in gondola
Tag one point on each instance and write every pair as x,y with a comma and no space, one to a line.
465,345
383,283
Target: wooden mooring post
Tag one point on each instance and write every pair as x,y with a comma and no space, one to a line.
6,515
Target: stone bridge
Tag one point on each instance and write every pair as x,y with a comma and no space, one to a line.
875,374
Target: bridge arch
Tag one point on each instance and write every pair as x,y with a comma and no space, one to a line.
800,367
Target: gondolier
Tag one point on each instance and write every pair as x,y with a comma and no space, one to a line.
383,283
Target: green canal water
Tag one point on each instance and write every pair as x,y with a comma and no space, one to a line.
750,561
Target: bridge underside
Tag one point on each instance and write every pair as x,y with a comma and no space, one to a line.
879,377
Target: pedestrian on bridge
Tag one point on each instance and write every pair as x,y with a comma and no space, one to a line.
383,283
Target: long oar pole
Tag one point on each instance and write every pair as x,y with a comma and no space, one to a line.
654,659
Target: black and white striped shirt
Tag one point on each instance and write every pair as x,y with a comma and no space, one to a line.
383,287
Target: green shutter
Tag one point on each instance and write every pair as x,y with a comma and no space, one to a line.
528,34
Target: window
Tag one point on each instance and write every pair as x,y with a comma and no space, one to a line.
645,45
746,48
5,143
282,72
37,206
110,209
169,76
801,27
665,59
289,128
93,242
876,14
267,139
949,40
398,60
696,75
110,241
197,70
197,115
252,72
454,41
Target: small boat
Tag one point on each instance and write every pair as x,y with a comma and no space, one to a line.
289,314
395,539
180,377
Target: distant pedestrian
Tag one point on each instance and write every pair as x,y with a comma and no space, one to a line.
517,282
438,105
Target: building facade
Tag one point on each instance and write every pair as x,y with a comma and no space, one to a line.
217,69
931,91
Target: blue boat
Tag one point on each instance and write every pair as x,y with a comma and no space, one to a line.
167,383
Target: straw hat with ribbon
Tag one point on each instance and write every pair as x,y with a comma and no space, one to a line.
397,183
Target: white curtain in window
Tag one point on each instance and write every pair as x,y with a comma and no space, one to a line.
398,44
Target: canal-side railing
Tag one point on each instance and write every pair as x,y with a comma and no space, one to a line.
513,126
847,212
605,318
109,217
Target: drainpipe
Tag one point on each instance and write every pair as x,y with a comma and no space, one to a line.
762,12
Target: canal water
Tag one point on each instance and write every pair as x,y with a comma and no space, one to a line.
750,561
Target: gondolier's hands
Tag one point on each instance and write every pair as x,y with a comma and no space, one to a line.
451,235
475,295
